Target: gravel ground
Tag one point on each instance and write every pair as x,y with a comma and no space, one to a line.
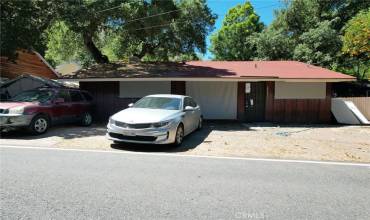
329,143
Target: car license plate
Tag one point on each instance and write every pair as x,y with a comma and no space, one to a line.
128,133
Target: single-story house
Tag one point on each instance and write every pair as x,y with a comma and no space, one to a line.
250,91
26,62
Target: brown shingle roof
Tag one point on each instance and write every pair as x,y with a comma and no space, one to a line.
207,69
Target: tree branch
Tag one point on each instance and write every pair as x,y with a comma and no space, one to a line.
94,51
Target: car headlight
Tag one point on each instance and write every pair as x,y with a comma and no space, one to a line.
111,121
161,124
16,110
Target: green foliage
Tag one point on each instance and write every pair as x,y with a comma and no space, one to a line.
22,24
98,30
306,30
234,40
356,41
64,45
298,17
319,45
273,44
185,33
356,44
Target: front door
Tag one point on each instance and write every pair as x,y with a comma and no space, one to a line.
255,98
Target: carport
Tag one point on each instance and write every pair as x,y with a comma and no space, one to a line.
218,100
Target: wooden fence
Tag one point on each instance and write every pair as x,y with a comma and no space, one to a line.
362,103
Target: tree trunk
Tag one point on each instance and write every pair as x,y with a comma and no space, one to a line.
94,51
142,53
146,49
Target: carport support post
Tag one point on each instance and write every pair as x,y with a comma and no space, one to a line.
241,101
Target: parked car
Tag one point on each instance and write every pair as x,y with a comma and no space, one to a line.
156,119
38,109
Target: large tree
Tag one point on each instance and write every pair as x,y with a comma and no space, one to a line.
273,44
233,41
90,28
310,31
158,28
22,24
182,32
356,43
319,45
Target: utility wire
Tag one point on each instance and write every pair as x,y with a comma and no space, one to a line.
150,16
163,13
176,22
108,9
161,25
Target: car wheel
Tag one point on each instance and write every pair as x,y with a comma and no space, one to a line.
86,119
200,123
39,124
179,135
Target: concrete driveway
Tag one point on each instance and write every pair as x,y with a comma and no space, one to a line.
329,143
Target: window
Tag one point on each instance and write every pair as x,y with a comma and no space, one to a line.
189,102
34,95
64,95
193,103
87,96
186,102
76,96
159,103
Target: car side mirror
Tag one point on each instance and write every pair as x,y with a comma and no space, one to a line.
59,100
188,108
130,105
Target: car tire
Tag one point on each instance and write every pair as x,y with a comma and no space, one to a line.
179,136
39,124
200,123
86,119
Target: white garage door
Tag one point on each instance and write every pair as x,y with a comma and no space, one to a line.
218,100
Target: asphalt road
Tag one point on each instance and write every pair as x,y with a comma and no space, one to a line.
55,184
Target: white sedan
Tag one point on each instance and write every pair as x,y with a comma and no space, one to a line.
156,119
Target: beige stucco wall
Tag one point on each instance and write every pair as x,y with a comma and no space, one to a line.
300,90
217,100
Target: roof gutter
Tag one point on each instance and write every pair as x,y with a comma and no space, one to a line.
212,79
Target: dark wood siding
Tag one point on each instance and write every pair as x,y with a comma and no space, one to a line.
107,100
297,110
178,87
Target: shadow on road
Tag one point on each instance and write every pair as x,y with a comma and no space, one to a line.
65,131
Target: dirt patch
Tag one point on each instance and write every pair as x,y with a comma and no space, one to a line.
329,143
344,143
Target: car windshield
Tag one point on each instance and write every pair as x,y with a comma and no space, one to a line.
33,96
159,103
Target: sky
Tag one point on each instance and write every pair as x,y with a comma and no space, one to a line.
264,8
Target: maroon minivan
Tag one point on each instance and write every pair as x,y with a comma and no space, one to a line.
38,109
